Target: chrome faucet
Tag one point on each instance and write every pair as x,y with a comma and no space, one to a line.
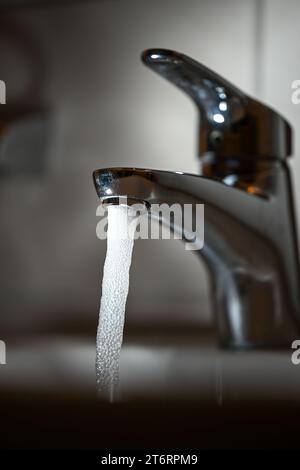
250,246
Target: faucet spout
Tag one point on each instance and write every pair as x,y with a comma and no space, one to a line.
250,249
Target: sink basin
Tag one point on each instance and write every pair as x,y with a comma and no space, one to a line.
154,365
176,388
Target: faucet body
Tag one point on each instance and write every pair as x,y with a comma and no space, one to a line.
250,244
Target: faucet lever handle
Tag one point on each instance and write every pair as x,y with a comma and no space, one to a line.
233,126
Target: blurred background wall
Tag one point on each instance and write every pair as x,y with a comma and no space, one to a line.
104,108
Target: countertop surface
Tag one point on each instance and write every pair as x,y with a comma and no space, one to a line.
176,387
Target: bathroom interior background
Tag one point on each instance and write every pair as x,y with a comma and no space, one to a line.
76,69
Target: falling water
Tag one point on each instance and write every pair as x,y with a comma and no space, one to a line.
115,285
